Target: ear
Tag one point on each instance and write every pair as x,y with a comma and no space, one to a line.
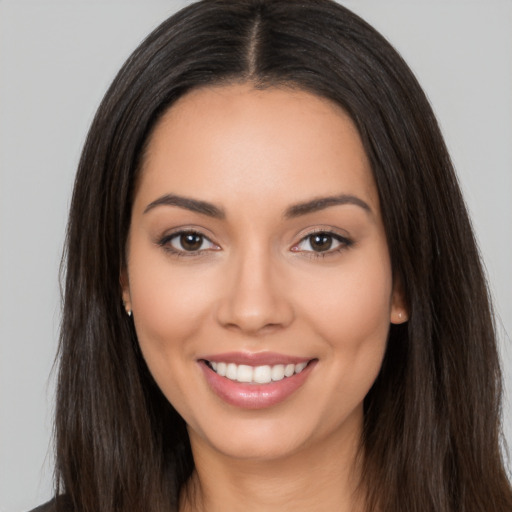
399,308
125,290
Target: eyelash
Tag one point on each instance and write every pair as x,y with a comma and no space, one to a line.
344,243
165,243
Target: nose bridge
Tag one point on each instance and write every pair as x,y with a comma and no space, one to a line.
253,300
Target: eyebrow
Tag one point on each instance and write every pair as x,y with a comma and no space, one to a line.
194,205
321,203
296,210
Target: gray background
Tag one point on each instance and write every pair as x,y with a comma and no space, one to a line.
56,60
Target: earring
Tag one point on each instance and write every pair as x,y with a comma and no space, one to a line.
402,317
127,309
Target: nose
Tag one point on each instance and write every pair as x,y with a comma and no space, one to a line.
254,300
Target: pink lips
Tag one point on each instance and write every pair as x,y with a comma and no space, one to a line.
251,395
255,359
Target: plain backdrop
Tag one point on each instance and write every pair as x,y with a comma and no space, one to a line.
57,59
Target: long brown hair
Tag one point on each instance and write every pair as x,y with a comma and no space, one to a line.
431,439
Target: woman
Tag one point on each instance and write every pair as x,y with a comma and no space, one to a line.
273,295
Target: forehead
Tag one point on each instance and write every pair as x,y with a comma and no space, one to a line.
222,142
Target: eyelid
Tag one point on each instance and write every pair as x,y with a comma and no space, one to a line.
344,240
164,241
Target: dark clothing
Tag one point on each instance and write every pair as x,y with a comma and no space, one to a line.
61,504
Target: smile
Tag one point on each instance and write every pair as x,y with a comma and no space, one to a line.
255,374
255,381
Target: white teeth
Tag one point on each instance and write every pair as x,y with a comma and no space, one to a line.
300,367
277,372
262,374
231,371
244,373
256,374
289,370
221,369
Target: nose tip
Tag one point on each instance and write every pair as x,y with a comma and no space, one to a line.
249,320
252,330
255,302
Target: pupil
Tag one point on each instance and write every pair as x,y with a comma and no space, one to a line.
321,242
191,241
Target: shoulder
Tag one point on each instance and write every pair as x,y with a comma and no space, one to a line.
59,504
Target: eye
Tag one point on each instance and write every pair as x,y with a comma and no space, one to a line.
322,242
187,242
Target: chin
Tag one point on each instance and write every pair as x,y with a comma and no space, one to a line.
261,438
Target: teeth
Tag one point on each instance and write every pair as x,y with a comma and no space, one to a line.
256,374
221,369
231,371
262,374
300,367
289,370
244,373
277,372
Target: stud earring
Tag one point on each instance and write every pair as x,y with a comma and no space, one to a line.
402,317
127,309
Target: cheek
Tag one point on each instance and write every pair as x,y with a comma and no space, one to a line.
351,313
167,304
354,299
169,309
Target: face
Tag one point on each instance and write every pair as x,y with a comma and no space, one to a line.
258,271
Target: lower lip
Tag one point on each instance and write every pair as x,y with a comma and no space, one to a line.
254,396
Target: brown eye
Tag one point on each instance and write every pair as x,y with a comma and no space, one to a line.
191,241
320,242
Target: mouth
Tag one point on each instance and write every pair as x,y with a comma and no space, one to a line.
263,374
255,381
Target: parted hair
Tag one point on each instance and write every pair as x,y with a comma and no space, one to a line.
431,438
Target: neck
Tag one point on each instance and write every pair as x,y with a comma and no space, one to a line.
320,477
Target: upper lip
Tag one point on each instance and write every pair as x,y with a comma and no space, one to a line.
255,358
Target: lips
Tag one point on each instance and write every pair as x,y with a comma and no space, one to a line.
255,381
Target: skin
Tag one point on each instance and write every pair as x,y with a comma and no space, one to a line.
258,285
